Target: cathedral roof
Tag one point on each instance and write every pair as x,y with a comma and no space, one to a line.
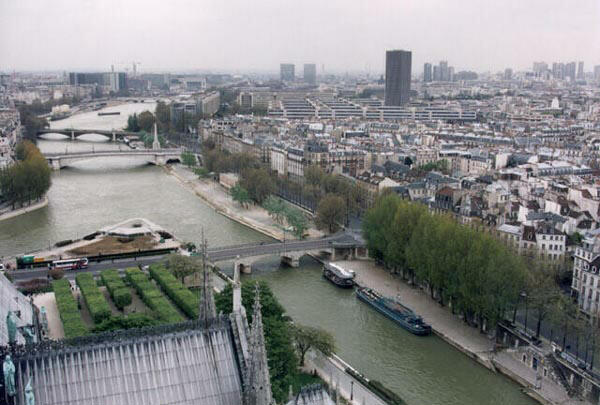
186,363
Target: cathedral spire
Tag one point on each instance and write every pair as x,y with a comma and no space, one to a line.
258,389
206,306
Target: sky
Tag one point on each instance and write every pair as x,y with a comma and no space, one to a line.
258,35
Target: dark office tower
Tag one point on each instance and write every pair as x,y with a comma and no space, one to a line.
444,71
597,72
310,73
287,72
508,74
398,66
427,73
580,74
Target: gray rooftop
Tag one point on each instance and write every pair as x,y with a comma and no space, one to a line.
195,366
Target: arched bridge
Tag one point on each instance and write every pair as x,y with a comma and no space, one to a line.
157,157
113,135
290,251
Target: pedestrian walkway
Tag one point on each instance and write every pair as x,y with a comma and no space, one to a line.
215,195
332,371
452,329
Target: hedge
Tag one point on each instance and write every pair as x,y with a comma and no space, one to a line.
67,307
179,294
94,299
119,292
152,296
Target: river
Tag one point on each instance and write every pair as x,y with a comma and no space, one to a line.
96,193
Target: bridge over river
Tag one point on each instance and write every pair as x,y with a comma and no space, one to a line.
157,157
340,244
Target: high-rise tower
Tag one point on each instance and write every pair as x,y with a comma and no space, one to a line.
398,64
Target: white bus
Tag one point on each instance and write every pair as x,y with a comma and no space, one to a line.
70,264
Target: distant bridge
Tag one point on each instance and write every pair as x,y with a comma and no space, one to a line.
341,244
113,135
157,157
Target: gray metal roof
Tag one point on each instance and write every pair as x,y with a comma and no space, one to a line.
197,366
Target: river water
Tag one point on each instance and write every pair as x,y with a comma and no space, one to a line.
96,193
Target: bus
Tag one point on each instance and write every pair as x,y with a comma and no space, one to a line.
70,264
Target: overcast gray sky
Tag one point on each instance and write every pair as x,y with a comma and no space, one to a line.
342,35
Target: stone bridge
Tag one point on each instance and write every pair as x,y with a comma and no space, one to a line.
157,157
112,134
339,245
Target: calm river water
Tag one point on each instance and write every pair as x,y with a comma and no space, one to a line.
96,193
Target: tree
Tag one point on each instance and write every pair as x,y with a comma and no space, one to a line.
132,123
276,208
26,180
188,159
259,184
146,121
297,221
163,116
307,337
56,274
330,213
181,266
201,172
542,290
313,175
240,195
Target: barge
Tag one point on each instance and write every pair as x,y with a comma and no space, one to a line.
400,314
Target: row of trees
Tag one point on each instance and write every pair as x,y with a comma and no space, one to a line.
28,179
476,273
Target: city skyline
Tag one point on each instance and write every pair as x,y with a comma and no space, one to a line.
241,37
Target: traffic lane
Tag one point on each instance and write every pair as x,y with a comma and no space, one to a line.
265,250
23,275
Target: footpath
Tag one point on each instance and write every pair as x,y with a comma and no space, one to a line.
10,213
454,331
216,196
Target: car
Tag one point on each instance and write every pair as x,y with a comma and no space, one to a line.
1,267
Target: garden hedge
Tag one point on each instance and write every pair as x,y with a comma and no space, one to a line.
179,294
119,292
67,307
152,297
94,299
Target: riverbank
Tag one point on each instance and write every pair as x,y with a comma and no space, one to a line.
255,217
24,210
451,329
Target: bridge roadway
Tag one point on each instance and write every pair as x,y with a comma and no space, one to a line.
155,156
340,240
74,132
